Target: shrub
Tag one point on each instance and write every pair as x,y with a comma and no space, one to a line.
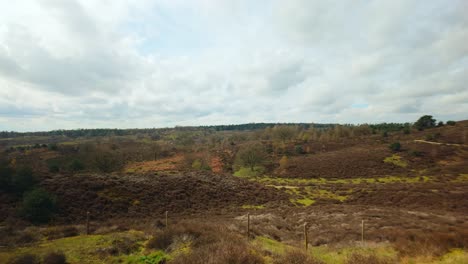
125,245
54,258
23,180
162,240
415,153
284,162
451,123
440,124
406,130
220,252
366,259
298,149
296,256
38,206
385,134
76,165
395,146
6,174
25,259
106,161
54,168
52,147
200,165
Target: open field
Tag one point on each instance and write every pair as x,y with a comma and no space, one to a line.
413,200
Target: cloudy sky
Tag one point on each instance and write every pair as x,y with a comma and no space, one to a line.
122,63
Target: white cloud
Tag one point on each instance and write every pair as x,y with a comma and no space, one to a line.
70,64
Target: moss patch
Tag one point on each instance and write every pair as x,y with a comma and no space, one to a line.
248,206
396,160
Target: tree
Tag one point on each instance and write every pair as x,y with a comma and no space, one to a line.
424,122
284,132
38,206
106,161
451,123
23,180
251,155
396,146
6,174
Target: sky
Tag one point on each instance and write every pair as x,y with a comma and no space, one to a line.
68,64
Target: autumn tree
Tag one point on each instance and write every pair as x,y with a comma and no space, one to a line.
251,155
284,132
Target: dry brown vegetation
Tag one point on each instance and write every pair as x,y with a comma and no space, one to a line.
414,198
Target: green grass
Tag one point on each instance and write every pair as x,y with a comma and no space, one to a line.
247,172
248,206
461,178
77,249
396,160
340,255
294,182
454,257
152,258
303,201
270,245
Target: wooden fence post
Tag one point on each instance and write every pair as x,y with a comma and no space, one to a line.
87,223
306,238
248,225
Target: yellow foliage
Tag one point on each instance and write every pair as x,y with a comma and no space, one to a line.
284,162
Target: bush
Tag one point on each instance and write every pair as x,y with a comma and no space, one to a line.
406,130
395,146
284,162
298,149
162,240
221,252
385,134
23,180
38,206
200,165
6,174
363,259
440,124
54,258
415,153
54,168
25,259
296,256
451,123
106,161
76,165
52,147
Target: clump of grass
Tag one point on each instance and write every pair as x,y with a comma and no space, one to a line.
461,178
247,172
357,258
248,206
304,201
396,160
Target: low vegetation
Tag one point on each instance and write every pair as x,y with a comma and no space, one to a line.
408,182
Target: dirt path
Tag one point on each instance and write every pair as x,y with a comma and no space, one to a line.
438,143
